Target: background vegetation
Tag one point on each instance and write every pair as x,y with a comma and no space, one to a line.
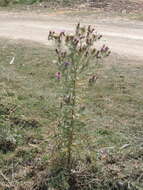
28,2
28,114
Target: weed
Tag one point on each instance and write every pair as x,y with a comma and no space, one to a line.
74,53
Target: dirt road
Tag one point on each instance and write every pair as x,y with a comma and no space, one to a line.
123,36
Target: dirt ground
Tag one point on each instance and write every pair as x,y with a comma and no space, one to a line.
124,37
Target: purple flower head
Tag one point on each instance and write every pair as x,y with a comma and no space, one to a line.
66,64
58,75
104,49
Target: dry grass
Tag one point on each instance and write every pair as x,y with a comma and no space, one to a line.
114,108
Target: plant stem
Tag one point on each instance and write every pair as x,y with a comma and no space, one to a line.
71,131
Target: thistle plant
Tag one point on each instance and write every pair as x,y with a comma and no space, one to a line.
76,53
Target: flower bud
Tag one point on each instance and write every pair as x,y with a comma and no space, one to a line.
92,79
86,53
58,75
77,28
76,41
92,30
89,28
108,53
93,51
57,51
97,55
99,37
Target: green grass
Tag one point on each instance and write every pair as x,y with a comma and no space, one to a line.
29,110
5,3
